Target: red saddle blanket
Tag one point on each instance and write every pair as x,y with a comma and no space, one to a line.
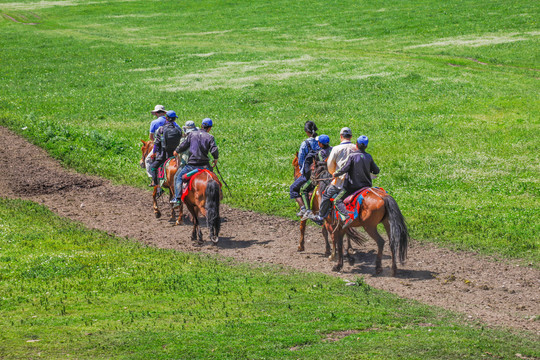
193,176
353,203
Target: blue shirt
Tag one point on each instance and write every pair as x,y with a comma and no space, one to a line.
159,122
304,149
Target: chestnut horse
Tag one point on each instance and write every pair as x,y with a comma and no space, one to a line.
203,198
327,227
377,207
170,170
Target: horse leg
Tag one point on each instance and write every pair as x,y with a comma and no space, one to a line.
302,233
386,224
338,239
157,213
372,231
326,243
173,214
350,252
180,219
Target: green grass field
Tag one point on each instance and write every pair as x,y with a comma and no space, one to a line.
68,292
448,93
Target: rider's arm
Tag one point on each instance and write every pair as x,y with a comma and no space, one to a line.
302,154
345,168
184,145
214,150
332,161
374,168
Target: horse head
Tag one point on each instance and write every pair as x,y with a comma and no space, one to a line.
145,149
320,174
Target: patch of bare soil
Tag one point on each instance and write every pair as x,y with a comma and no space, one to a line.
497,292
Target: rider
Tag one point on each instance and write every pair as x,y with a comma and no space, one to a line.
338,157
167,137
307,150
160,112
359,167
199,143
322,155
188,127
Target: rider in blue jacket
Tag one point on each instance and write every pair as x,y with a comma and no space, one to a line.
306,155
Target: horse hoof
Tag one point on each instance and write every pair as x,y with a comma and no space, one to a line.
351,251
214,239
337,268
158,215
378,270
351,261
300,248
179,222
331,258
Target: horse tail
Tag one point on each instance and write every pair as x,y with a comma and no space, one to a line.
399,235
212,195
355,236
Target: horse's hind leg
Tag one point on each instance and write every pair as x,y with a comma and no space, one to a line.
372,231
350,252
338,239
302,233
180,219
173,214
326,243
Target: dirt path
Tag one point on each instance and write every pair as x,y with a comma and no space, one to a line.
500,293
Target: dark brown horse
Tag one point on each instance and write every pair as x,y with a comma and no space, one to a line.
327,228
377,207
203,198
170,171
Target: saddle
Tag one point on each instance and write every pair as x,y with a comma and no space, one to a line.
162,174
192,175
353,203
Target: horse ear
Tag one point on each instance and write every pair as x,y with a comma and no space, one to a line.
144,142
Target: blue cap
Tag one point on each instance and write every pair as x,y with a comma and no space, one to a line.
207,122
362,140
323,139
171,114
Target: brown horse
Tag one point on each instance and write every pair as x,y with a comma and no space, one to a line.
203,198
327,228
377,207
170,170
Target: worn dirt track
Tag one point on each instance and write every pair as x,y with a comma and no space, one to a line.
499,293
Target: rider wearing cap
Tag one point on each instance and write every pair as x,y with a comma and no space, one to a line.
322,155
160,112
188,127
199,143
338,158
308,147
167,137
359,168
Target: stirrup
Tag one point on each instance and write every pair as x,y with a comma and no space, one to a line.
307,215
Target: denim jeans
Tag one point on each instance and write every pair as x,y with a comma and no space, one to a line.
178,179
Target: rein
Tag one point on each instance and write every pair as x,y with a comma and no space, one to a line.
222,179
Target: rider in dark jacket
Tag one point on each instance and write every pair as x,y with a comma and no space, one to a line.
166,139
359,167
200,143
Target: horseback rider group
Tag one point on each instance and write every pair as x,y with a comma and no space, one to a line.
190,144
349,164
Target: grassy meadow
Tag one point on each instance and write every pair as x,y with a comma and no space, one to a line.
68,292
447,92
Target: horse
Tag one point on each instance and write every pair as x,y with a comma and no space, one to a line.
327,227
203,197
377,207
170,171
